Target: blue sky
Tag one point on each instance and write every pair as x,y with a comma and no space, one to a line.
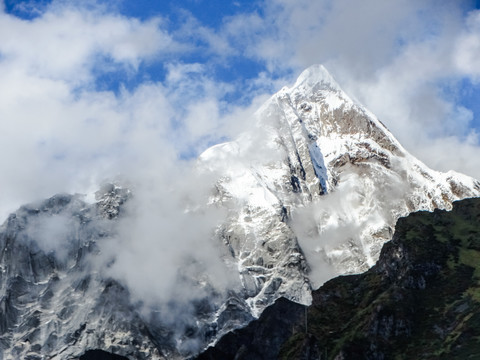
95,88
211,14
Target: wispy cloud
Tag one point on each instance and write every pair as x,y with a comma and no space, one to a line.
67,43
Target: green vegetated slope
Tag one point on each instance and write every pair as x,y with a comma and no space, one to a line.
420,301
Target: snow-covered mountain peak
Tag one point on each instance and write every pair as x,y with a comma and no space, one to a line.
316,77
320,180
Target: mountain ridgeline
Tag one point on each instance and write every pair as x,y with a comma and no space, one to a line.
421,300
311,191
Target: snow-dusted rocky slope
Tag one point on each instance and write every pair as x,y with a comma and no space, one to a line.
54,301
312,190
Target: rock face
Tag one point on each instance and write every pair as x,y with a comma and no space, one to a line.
313,190
54,303
420,301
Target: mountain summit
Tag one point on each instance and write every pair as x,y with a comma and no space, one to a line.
311,191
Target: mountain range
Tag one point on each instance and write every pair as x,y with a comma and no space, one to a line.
312,191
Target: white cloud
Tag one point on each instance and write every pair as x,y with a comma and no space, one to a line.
66,43
467,49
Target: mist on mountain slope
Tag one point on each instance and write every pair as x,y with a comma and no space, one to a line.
166,252
339,218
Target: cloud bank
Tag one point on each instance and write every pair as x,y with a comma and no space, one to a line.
62,131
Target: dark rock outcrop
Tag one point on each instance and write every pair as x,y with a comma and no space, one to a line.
262,338
101,355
